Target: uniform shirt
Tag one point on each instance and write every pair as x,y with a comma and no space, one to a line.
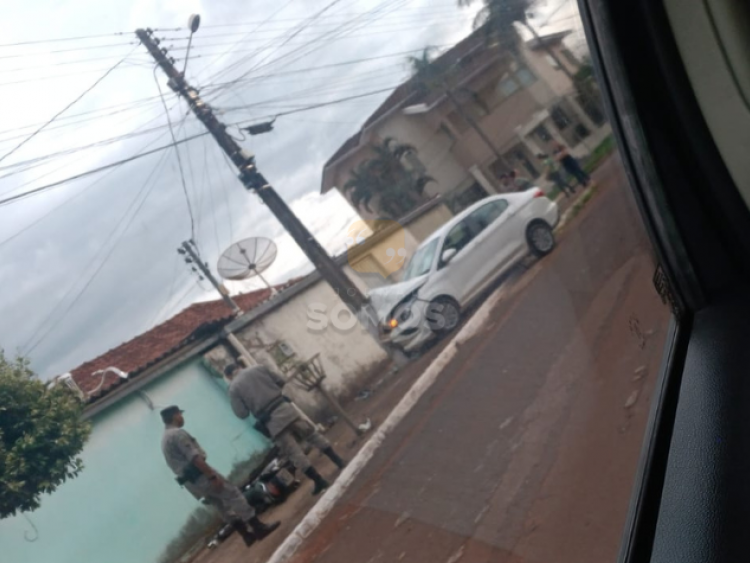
253,389
179,449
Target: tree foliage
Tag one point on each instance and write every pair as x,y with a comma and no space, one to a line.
497,18
41,434
397,188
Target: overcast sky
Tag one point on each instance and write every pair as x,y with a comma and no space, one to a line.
92,263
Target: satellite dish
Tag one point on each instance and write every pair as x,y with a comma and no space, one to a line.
247,259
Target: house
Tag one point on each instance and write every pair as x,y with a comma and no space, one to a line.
125,506
519,101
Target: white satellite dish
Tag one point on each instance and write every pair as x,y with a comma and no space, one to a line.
247,259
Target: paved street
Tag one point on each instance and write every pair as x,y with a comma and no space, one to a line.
526,447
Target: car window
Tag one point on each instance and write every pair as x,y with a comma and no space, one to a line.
421,262
486,214
459,236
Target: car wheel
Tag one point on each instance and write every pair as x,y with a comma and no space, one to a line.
540,237
443,315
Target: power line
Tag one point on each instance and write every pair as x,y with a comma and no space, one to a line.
94,85
338,14
314,106
138,156
329,36
64,203
112,236
252,31
179,158
296,32
66,152
321,67
59,40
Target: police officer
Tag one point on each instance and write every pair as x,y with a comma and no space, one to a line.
187,460
258,391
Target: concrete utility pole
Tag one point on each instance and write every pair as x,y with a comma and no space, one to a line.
189,250
253,180
191,257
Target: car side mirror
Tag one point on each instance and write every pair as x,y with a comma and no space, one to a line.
448,255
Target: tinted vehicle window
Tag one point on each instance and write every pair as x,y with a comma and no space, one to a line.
486,214
459,236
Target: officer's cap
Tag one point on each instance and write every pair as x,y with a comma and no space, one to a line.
169,412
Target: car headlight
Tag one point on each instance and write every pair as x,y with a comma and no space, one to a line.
401,313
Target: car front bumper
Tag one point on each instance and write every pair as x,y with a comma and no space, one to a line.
414,332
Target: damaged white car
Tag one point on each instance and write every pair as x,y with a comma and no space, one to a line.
456,263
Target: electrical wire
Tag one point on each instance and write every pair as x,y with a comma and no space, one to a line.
315,106
392,4
59,40
255,29
35,191
94,85
33,342
179,158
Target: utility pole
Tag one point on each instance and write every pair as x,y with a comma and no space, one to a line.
253,180
188,250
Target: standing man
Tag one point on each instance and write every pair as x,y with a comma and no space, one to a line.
187,460
554,175
570,164
258,391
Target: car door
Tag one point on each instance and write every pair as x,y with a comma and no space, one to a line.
494,241
457,275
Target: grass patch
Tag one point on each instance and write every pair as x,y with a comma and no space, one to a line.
553,193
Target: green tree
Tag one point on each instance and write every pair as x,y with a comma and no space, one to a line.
385,178
41,434
497,17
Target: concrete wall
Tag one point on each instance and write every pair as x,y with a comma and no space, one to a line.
553,77
424,225
125,507
348,354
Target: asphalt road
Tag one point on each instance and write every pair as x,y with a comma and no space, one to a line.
525,449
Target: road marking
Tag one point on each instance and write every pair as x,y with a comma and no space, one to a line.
323,507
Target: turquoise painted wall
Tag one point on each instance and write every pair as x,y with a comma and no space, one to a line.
125,506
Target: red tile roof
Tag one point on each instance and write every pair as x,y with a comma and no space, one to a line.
136,355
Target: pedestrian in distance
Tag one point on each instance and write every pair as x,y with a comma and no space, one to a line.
554,174
570,164
513,182
519,182
187,460
258,391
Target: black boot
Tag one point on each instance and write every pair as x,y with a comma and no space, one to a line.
247,536
261,529
334,457
320,483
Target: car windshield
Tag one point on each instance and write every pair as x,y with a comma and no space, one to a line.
421,262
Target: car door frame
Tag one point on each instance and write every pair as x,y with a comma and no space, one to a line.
699,227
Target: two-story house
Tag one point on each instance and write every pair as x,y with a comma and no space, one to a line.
496,112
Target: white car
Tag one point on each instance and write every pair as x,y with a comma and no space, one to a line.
456,263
